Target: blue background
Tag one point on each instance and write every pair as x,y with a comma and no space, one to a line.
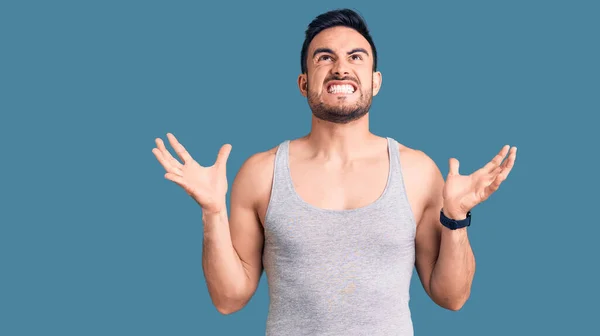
94,241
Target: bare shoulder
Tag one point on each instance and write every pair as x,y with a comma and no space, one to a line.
258,163
256,171
252,184
422,178
415,159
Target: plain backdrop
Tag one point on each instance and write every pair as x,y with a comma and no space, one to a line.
94,241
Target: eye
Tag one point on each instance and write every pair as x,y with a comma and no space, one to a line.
356,57
324,57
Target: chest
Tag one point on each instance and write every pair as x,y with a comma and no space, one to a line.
343,187
337,186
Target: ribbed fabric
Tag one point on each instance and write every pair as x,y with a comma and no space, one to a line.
338,272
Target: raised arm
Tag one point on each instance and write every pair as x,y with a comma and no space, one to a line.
232,246
232,251
444,258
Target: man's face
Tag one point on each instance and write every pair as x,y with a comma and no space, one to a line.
340,82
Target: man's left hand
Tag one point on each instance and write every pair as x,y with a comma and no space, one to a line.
462,193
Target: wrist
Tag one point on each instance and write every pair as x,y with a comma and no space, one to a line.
210,215
454,220
214,223
454,214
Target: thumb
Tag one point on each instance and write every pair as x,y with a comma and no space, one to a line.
453,165
223,155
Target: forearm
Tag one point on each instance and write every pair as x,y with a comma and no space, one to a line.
454,269
225,276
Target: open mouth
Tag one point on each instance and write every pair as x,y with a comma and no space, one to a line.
341,88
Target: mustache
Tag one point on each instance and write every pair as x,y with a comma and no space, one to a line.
345,78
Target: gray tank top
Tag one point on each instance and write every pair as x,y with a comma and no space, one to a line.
338,272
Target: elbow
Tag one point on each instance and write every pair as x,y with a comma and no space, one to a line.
228,309
453,304
229,304
230,299
450,301
452,298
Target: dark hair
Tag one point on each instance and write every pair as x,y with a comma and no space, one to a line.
339,17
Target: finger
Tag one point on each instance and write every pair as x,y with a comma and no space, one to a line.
161,159
489,190
454,166
509,163
505,170
491,176
161,145
495,184
498,170
179,181
175,178
179,149
223,155
497,160
512,156
166,163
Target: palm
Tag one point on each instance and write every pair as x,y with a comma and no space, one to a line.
463,192
460,189
207,185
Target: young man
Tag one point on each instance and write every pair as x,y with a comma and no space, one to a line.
339,217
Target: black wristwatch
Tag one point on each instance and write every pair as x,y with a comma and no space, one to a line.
454,224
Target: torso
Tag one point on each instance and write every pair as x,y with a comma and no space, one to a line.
339,248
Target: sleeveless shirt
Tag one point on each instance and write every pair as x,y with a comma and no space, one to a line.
338,272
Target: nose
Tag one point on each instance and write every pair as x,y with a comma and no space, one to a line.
340,68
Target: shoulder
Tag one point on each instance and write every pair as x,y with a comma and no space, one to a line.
422,176
259,162
253,179
418,162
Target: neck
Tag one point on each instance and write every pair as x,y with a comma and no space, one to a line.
341,141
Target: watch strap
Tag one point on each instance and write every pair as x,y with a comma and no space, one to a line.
454,224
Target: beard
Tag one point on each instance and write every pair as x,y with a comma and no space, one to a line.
341,114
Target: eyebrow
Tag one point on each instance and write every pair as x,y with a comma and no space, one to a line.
327,50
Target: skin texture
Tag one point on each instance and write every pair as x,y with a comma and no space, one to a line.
340,164
336,57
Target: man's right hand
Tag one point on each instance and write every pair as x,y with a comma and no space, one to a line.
207,185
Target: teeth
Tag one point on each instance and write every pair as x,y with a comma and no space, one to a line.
341,89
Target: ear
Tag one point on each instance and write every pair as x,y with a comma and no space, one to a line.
377,78
303,84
